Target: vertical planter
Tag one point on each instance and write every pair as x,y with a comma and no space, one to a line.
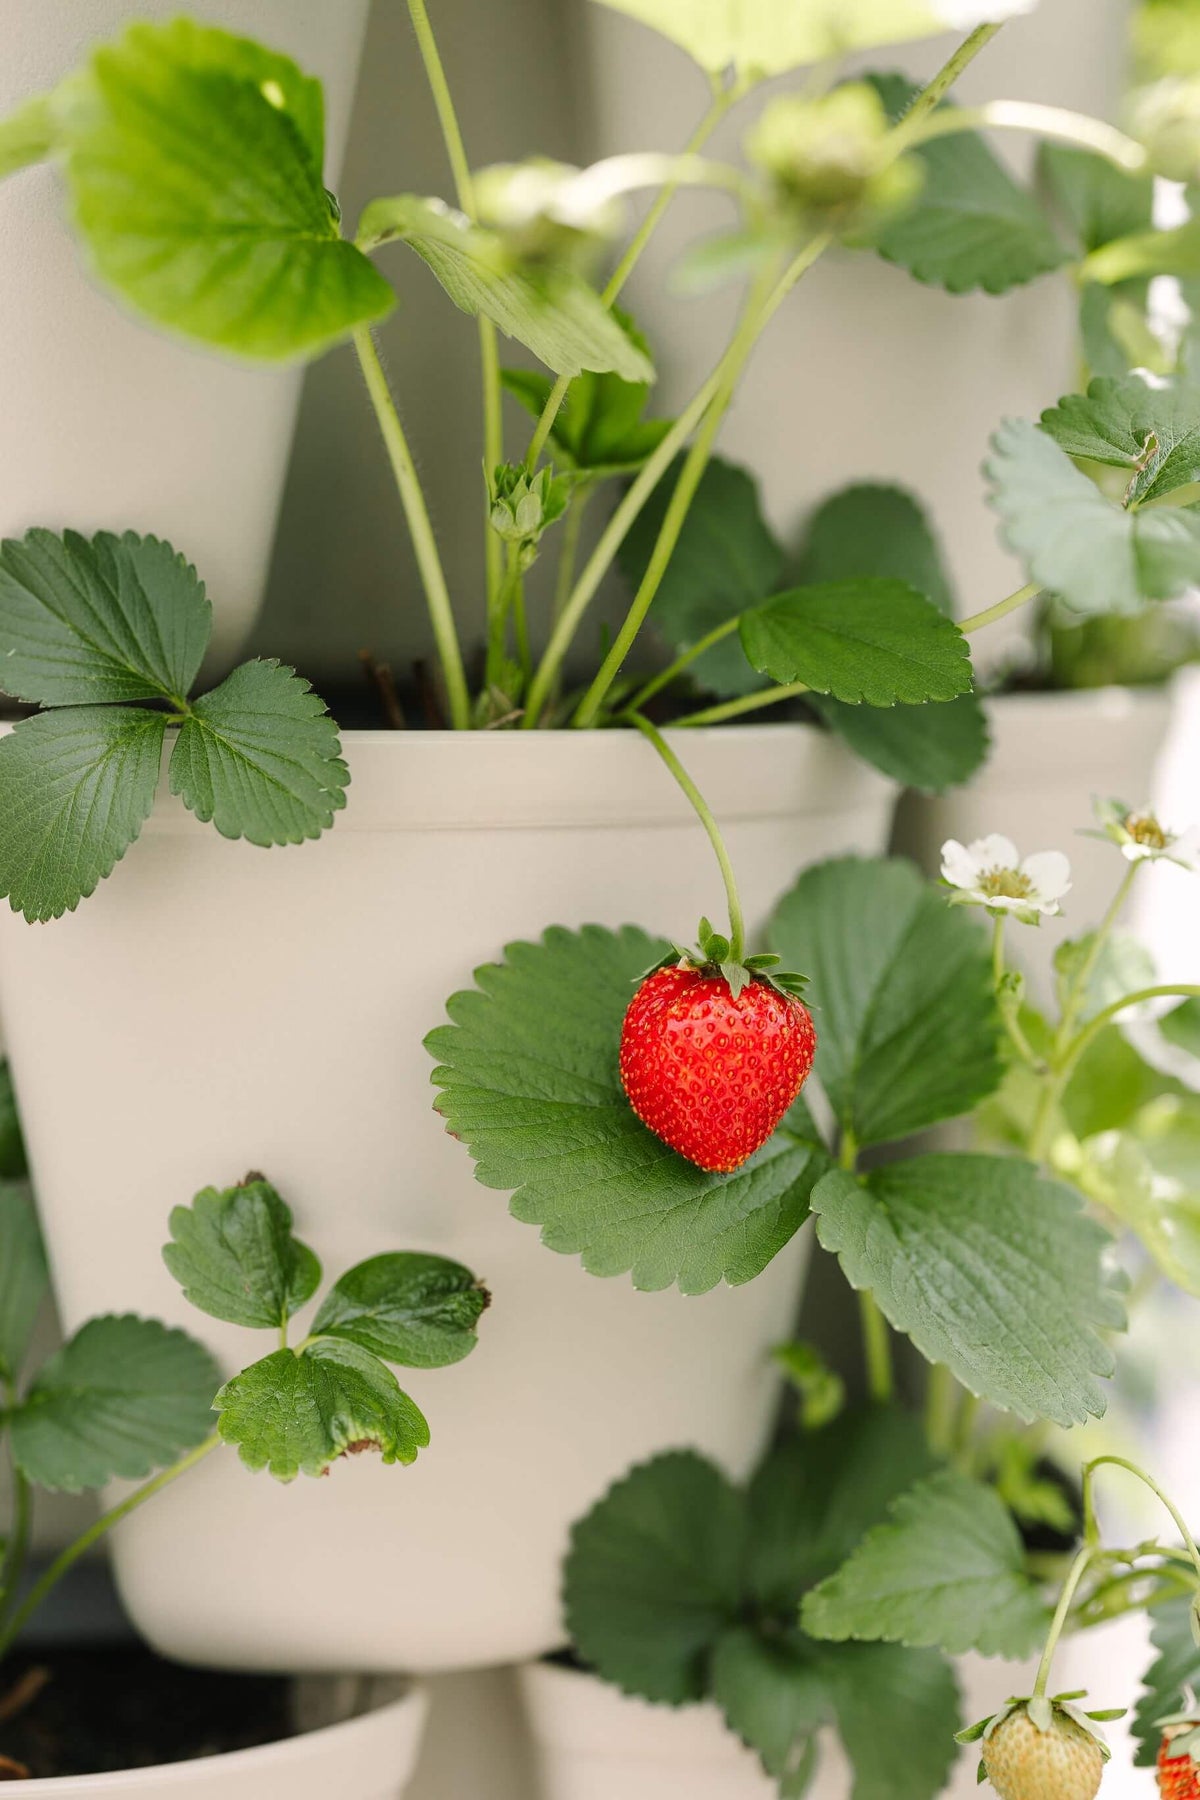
107,423
216,1008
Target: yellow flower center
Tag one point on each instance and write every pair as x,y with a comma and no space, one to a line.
1005,884
1144,828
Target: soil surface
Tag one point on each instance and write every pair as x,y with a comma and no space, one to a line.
82,1711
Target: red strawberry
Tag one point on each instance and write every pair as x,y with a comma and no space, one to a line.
712,1057
1178,1774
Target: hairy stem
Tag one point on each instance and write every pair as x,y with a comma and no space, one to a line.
1002,608
733,709
1131,1468
1078,1570
737,927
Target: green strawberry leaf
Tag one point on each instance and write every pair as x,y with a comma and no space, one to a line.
1097,201
1111,1084
875,641
1147,1176
26,136
971,225
907,1029
946,1569
529,1080
260,757
296,1414
897,1711
990,1269
1153,432
235,1258
1181,1026
13,1164
123,1397
653,1576
1120,966
76,788
194,163
1098,555
1146,254
930,748
551,310
1171,1677
599,429
773,1695
23,1276
406,1308
84,621
875,531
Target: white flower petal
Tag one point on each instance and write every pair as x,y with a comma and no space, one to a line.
1132,851
994,852
1185,850
1050,873
959,867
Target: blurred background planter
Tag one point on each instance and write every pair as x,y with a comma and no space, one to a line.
109,425
224,1008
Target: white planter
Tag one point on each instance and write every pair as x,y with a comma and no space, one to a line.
371,1757
1051,753
107,422
215,1008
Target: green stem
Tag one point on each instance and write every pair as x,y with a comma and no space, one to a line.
13,1561
877,1348
1002,608
737,928
68,1557
1052,122
941,1403
1131,1468
516,587
964,1429
1182,991
1070,1586
568,554
684,661
420,527
1076,994
733,709
932,96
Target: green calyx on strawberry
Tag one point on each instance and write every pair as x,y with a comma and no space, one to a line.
715,1047
1042,1748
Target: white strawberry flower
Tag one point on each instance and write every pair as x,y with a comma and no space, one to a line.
1140,836
989,872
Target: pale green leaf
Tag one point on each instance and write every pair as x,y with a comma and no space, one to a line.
26,136
530,1082
1120,966
653,1576
407,1308
260,757
897,1712
235,1258
13,1163
599,429
1147,1176
873,530
773,1696
1110,1085
877,641
108,618
1146,253
930,748
989,1268
1097,200
194,162
123,1397
297,1414
1154,432
1171,1678
725,560
551,310
76,788
946,1569
907,1032
1181,1026
23,1277
1090,550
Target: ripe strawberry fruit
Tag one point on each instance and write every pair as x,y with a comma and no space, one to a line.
714,1052
1178,1772
1025,1760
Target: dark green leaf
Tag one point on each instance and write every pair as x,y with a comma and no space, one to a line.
772,1694
26,136
1153,432
1097,200
990,1269
946,1569
123,1397
1181,1027
551,310
897,1712
407,1308
907,1032
1110,1084
76,788
107,619
1170,1678
971,225
599,429
930,748
235,1258
23,1278
875,641
872,530
13,1166
653,1576
726,559
194,164
297,1414
260,757
530,1082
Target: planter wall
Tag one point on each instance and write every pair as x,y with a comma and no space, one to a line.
1051,753
215,1008
107,423
370,1757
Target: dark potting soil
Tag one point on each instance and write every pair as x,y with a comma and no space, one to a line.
112,1707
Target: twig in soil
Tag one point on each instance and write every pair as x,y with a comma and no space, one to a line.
379,675
13,1771
23,1693
431,706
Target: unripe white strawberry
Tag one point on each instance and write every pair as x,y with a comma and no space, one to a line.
1028,1759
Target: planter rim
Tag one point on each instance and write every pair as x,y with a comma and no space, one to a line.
1113,702
336,1741
583,1711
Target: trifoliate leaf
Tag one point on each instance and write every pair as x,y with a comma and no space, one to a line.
930,748
897,1712
1181,1026
296,1414
875,641
653,1576
13,1165
76,788
530,1082
1152,431
123,1397
726,559
1093,552
551,309
971,225
260,757
235,1258
26,136
990,1269
194,162
908,1031
1171,1678
108,618
876,531
946,1569
773,1695
23,1278
407,1308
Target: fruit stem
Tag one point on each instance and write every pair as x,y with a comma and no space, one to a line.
737,928
1119,1462
1075,1575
